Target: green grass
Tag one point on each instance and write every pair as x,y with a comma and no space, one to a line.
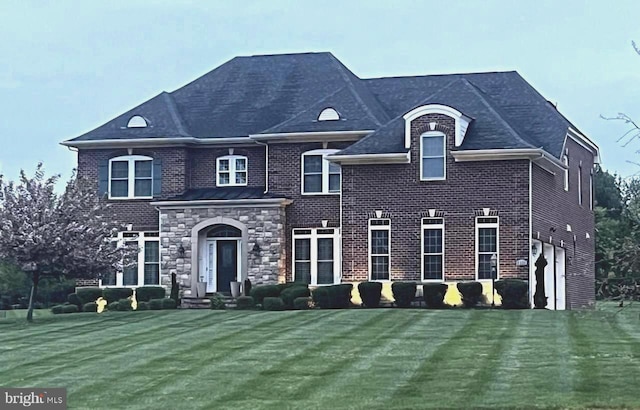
368,359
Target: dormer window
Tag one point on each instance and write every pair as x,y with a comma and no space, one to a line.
131,177
231,171
137,122
329,114
432,156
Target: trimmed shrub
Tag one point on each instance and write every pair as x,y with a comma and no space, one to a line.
333,297
272,303
89,294
514,293
246,287
155,304
217,302
403,293
112,306
168,303
146,293
56,310
287,285
116,294
175,289
70,309
292,293
90,307
433,294
124,305
263,291
245,303
370,293
471,293
143,306
301,303
73,299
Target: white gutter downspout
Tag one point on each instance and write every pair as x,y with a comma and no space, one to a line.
266,161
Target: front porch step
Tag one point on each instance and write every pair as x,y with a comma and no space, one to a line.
205,303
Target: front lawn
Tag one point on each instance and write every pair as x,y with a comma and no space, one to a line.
369,359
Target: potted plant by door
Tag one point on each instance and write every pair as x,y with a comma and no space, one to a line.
201,288
235,289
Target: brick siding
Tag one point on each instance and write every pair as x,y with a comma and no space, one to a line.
553,208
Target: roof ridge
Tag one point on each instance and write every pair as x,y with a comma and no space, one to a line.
173,111
345,76
476,90
438,75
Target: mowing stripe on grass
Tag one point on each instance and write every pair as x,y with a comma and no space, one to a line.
138,370
254,387
95,344
391,362
489,332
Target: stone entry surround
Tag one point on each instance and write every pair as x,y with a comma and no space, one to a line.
261,224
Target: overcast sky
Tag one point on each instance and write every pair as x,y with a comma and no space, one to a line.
66,67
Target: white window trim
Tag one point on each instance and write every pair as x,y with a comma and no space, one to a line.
314,236
580,185
477,256
565,161
370,255
232,170
131,176
591,191
439,226
140,238
431,134
325,172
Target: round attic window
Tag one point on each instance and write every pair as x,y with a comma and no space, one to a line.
329,114
137,122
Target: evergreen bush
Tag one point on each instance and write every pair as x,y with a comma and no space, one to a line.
272,303
471,293
433,294
404,293
370,293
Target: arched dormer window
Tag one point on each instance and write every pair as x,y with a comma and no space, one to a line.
461,121
131,176
231,170
319,176
433,152
137,121
329,114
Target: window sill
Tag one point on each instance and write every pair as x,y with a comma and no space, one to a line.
229,185
121,198
319,193
432,179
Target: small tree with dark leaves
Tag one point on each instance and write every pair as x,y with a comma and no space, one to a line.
48,234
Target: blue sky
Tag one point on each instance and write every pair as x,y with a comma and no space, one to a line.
68,66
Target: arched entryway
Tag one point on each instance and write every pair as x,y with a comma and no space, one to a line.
221,256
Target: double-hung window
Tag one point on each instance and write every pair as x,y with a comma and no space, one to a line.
432,249
131,177
231,170
432,156
580,185
144,266
316,256
487,245
379,249
320,176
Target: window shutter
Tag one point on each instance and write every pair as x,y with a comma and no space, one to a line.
103,178
157,177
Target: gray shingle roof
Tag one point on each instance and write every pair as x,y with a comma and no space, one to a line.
223,193
285,93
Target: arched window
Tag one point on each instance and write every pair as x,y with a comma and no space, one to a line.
320,176
224,231
131,176
329,114
231,170
137,121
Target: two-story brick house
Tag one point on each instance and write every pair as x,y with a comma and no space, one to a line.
290,167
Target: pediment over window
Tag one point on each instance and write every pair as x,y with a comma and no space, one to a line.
462,121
